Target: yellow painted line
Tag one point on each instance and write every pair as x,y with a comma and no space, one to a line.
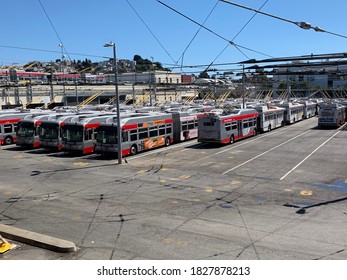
47,159
164,169
143,171
306,192
184,176
168,240
209,190
19,156
162,181
76,218
288,190
80,163
235,182
7,193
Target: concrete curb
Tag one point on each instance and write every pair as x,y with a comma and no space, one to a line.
37,239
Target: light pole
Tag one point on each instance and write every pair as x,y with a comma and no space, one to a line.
119,132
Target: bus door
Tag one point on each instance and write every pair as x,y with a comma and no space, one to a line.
240,129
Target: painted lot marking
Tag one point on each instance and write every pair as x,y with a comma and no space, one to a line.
264,153
315,150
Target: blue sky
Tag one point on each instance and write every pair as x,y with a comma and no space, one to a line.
156,31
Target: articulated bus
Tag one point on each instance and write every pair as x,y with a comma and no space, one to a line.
50,131
227,128
146,131
28,129
294,112
331,115
270,117
80,136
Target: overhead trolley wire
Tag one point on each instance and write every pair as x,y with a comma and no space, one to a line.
211,31
55,31
155,37
301,24
238,33
197,32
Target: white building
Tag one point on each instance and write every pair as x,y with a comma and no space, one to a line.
151,77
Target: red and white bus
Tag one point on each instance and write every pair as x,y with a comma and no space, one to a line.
270,117
50,131
294,111
80,136
146,131
226,128
331,115
27,133
310,108
8,125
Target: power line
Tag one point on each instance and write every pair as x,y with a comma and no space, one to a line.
301,24
211,31
49,51
197,32
223,50
155,37
55,31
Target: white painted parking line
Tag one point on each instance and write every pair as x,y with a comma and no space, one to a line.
264,153
296,166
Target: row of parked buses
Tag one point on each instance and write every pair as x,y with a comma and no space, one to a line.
96,132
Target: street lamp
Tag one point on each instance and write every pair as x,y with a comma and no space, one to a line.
119,134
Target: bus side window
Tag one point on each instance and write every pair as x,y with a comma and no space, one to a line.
168,129
153,131
143,133
8,128
133,135
161,130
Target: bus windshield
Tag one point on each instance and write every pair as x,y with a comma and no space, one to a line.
48,132
26,130
73,134
107,136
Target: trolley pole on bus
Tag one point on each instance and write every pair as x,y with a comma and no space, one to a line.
119,132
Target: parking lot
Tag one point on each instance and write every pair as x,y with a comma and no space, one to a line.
278,195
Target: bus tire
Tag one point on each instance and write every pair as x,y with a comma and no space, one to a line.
8,140
269,128
232,139
167,141
133,150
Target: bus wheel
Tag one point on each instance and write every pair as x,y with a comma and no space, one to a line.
269,128
231,139
133,150
8,140
167,141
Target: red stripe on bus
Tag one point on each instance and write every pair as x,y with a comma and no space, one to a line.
1,141
129,126
36,144
10,121
126,152
88,150
237,118
225,141
92,125
168,121
38,122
